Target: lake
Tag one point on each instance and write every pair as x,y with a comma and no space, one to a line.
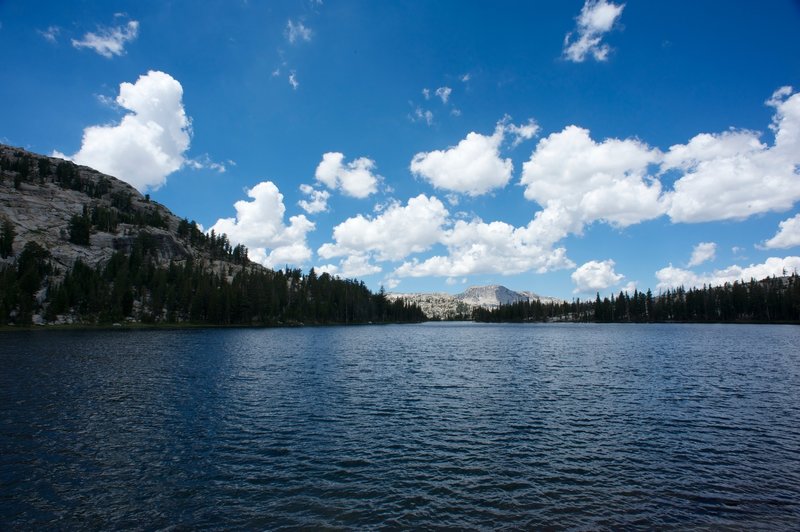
434,425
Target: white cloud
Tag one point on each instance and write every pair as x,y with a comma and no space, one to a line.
476,247
293,80
788,234
150,141
594,276
350,267
523,132
473,167
593,181
50,34
259,225
354,179
671,277
629,287
734,175
297,31
465,78
597,17
422,115
703,252
205,162
109,41
392,283
392,235
444,93
727,176
317,199
426,93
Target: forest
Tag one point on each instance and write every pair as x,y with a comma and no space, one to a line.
133,285
771,300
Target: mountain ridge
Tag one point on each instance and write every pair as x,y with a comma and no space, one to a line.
441,305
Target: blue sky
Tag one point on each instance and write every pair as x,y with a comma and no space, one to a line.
563,147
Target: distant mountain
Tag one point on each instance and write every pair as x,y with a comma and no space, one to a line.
447,306
79,246
491,296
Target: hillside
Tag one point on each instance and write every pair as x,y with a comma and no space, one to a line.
79,246
447,306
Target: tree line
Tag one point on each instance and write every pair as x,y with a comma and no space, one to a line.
771,300
134,286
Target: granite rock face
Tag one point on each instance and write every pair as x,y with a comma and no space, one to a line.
40,206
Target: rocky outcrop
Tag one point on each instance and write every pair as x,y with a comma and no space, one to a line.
39,195
447,306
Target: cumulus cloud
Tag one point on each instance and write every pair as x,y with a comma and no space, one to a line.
472,167
297,31
317,199
597,17
392,235
150,141
703,252
733,175
350,267
578,181
109,41
591,181
788,234
259,225
444,93
671,277
355,178
476,247
594,276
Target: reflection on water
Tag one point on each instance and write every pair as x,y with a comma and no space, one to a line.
460,425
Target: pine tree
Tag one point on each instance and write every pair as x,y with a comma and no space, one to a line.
7,235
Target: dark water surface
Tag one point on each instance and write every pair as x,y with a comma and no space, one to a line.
453,425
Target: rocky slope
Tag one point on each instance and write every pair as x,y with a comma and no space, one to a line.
76,214
448,306
39,195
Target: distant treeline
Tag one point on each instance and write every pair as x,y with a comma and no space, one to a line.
775,299
134,286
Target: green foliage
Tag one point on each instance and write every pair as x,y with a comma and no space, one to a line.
183,293
7,235
80,229
775,299
32,266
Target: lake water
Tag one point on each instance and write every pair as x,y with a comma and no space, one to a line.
452,425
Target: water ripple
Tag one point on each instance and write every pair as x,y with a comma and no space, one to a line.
439,425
